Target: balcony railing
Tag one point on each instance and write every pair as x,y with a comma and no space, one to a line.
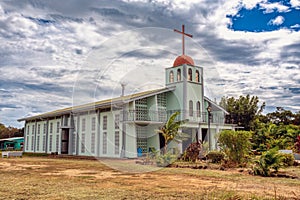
163,116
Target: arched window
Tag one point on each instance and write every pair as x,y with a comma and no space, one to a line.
197,76
191,108
198,107
171,77
190,75
178,75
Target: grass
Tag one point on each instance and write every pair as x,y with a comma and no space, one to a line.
45,178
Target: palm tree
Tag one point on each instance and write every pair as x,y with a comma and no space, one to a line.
170,129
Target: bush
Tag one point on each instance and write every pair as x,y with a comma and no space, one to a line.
215,156
165,160
269,160
288,159
192,153
235,144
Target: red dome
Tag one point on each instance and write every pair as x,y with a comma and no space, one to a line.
183,59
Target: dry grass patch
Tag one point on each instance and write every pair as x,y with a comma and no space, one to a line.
43,178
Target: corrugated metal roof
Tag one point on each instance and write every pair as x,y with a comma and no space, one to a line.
100,104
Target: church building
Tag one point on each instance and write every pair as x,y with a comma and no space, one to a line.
126,125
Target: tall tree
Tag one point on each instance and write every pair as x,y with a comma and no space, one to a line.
7,132
296,120
281,116
243,110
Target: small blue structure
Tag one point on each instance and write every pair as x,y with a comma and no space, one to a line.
140,152
14,143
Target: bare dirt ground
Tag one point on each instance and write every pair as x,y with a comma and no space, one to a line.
46,178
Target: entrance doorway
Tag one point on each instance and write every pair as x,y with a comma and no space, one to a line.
204,135
65,141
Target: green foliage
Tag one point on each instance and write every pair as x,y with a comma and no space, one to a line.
268,135
235,144
269,160
296,120
170,129
7,132
288,159
165,159
281,116
243,110
215,156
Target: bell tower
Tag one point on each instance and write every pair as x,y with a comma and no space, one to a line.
188,78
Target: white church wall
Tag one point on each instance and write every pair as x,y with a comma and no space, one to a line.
54,135
28,136
85,134
131,148
39,137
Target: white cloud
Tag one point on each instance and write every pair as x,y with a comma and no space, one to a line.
277,21
50,55
250,4
271,7
296,26
295,3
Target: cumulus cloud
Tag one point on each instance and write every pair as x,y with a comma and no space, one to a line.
51,53
295,3
277,21
272,7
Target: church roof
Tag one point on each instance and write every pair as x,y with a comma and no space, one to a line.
215,106
183,59
100,104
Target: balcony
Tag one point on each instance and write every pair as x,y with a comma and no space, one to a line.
163,116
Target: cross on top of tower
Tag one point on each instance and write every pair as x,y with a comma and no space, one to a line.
183,34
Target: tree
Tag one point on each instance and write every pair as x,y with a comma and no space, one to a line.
242,111
170,129
269,135
296,120
281,116
7,132
235,144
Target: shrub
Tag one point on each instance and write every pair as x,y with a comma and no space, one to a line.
165,159
269,160
192,153
235,144
288,159
215,156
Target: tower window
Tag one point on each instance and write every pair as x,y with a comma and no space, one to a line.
171,78
190,74
197,76
57,127
83,125
105,122
191,108
178,75
198,109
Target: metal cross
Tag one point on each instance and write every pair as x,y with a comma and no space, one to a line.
183,34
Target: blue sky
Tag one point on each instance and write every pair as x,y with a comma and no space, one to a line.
268,16
55,54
